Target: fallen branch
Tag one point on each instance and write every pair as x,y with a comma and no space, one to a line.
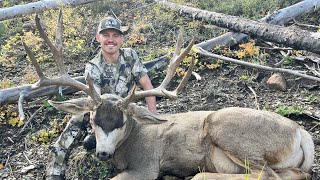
255,97
313,70
10,140
30,119
306,25
24,154
258,66
276,48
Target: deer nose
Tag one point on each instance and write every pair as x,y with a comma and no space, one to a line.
103,156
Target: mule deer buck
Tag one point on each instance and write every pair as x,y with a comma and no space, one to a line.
148,146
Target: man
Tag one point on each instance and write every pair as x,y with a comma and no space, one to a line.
114,69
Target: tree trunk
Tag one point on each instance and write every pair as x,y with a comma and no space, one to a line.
37,7
297,39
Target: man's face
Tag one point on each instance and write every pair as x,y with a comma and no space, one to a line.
110,40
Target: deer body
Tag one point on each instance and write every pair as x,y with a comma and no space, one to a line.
218,142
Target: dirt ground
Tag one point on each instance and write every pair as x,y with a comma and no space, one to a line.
218,88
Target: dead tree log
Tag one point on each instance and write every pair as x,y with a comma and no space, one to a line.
290,13
279,17
298,39
37,7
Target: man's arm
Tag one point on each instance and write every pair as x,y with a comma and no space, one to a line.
146,84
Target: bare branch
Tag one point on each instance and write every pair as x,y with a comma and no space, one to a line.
258,66
30,119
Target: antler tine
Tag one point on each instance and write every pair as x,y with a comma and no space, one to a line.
33,61
186,77
56,50
178,45
64,79
161,90
176,60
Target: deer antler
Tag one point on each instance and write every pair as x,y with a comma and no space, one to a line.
161,90
64,79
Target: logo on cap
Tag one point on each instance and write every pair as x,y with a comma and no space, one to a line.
111,23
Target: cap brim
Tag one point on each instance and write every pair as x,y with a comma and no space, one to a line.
122,30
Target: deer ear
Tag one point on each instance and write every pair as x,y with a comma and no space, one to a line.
142,115
74,106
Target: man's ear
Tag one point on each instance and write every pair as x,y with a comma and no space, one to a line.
98,37
74,106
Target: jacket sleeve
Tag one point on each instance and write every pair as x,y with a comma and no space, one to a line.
138,69
94,73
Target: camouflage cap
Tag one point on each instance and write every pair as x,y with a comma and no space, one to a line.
110,23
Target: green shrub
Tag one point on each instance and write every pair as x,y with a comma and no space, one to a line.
289,110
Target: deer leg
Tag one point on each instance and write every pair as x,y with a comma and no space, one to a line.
222,176
223,163
61,149
292,173
228,166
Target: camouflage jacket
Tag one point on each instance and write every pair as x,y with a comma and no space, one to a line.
116,78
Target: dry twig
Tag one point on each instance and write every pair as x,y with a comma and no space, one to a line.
24,154
255,97
305,25
31,118
10,140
